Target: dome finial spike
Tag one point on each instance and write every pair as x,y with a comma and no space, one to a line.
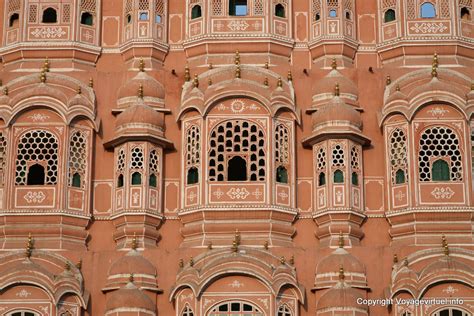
279,82
43,77
341,240
290,76
91,82
134,241
140,91
389,80
341,273
5,90
79,90
131,278
434,72
395,259
435,60
445,245
187,74
334,64
398,87
337,91
237,57
196,81
238,72
141,65
29,246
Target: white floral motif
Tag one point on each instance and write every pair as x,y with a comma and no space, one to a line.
236,284
48,32
283,195
135,197
442,193
218,193
428,27
38,117
238,193
34,197
237,25
192,196
438,111
450,290
400,196
23,293
264,301
257,193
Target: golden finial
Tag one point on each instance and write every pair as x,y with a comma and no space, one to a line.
131,278
209,82
434,72
209,245
196,81
79,90
337,91
187,74
67,266
292,260
341,240
141,65
289,76
1,82
29,246
237,237
341,273
191,262
282,260
334,64
237,72
79,264
140,91
46,65
279,82
5,90
181,263
43,76
91,82
267,65
235,247
237,57
405,262
265,245
210,66
445,245
398,87
389,80
435,60
134,242
265,82
395,259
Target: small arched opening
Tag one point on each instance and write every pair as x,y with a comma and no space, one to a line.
87,19
440,171
338,176
136,178
193,175
389,16
50,16
465,14
36,175
282,175
196,12
428,10
237,169
14,20
280,10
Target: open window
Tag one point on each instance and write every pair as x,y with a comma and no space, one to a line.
120,181
193,176
465,14
322,179
143,16
128,18
36,175
238,7
87,19
280,10
14,20
428,10
400,177
196,12
282,175
76,180
50,16
333,13
355,178
22,313
389,16
237,169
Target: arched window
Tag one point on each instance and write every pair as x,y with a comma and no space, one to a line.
428,10
120,181
154,165
440,170
193,175
157,18
284,310
451,312
332,13
338,176
76,180
317,17
322,179
355,178
14,20
152,181
280,10
400,177
128,18
187,311
465,14
143,16
238,7
389,16
77,159
37,147
235,309
398,156
196,12
406,314
237,169
50,16
438,143
35,175
348,15
282,175
3,157
23,313
136,165
87,19
193,153
136,178
120,167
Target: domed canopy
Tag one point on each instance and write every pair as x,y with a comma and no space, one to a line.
132,262
151,87
131,298
337,110
341,296
140,113
325,87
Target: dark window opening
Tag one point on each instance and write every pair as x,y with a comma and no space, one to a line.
152,180
193,175
14,20
50,16
333,13
196,12
143,16
280,10
440,171
136,178
338,176
237,169
128,18
317,17
389,16
322,179
157,18
348,15
282,175
120,181
87,19
238,7
465,14
400,177
355,178
36,175
76,180
428,10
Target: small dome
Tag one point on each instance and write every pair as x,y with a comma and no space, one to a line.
151,87
326,85
340,258
139,113
132,263
396,96
129,297
445,263
341,296
337,110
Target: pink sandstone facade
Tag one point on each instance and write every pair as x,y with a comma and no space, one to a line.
237,157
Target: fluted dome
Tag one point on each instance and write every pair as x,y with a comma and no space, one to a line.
129,297
132,263
340,258
341,296
151,87
326,85
337,110
140,113
396,96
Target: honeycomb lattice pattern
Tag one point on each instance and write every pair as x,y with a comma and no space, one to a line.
13,5
398,153
136,159
193,146
258,7
333,4
237,137
88,5
37,146
128,6
282,144
154,163
355,158
348,5
3,157
121,160
143,5
78,156
411,9
33,13
444,9
388,4
316,8
321,158
66,13
159,7
439,142
338,156
465,3
217,8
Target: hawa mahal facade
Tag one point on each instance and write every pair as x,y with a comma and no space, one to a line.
236,157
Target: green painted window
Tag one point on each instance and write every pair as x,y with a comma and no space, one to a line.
282,175
440,171
76,180
193,175
322,179
355,178
196,12
400,176
338,176
152,180
136,178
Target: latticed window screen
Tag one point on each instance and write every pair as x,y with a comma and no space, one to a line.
187,311
235,309
33,13
355,165
237,138
88,5
465,3
13,5
333,4
37,147
388,4
136,165
284,311
128,6
154,168
348,5
77,159
439,143
282,145
411,9
338,156
217,7
398,156
316,9
258,7
321,165
143,5
472,154
66,13
444,9
120,167
3,156
160,7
